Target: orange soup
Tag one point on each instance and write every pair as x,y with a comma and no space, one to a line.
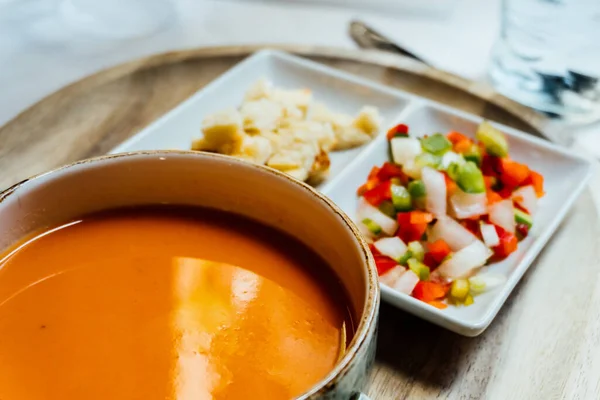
166,303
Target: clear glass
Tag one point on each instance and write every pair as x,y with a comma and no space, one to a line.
548,56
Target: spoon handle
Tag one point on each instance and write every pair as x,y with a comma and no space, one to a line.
367,38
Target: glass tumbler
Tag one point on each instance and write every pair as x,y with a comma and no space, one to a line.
548,57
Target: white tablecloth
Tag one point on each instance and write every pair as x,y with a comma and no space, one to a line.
39,54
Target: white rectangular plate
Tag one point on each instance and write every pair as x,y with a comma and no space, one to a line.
565,174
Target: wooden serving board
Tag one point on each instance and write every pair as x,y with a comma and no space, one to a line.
544,344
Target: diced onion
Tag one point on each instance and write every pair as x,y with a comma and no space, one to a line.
366,210
525,197
489,234
405,149
407,282
451,157
465,205
502,214
463,263
391,277
435,187
392,247
453,233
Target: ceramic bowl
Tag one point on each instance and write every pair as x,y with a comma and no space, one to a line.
200,179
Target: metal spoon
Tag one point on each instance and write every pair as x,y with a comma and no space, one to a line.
368,38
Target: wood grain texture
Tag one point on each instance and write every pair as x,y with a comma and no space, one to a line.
544,344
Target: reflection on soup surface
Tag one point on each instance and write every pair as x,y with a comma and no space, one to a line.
166,303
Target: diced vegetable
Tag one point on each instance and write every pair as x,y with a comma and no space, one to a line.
526,197
416,250
459,289
387,207
427,160
392,247
401,198
379,194
485,282
430,291
453,233
494,141
489,234
463,263
502,214
398,130
435,187
470,178
417,189
436,144
407,282
391,277
418,268
439,250
508,244
405,149
513,174
450,158
473,153
467,205
372,226
412,225
384,263
489,199
521,217
367,211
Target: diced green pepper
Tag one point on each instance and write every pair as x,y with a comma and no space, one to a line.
417,250
453,171
427,160
473,154
494,141
459,289
521,217
387,207
416,188
470,178
420,269
372,226
436,144
404,259
477,285
401,198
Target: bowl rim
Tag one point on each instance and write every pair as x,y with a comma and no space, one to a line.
370,310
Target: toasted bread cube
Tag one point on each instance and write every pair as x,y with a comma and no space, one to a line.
368,120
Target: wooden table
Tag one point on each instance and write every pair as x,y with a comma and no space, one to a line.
544,344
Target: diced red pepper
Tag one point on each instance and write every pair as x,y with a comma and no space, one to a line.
374,250
408,231
522,230
373,173
438,304
512,173
506,192
439,250
384,263
379,194
430,291
463,146
508,244
493,197
370,184
420,217
537,181
471,225
398,130
456,137
451,186
430,261
490,166
389,171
